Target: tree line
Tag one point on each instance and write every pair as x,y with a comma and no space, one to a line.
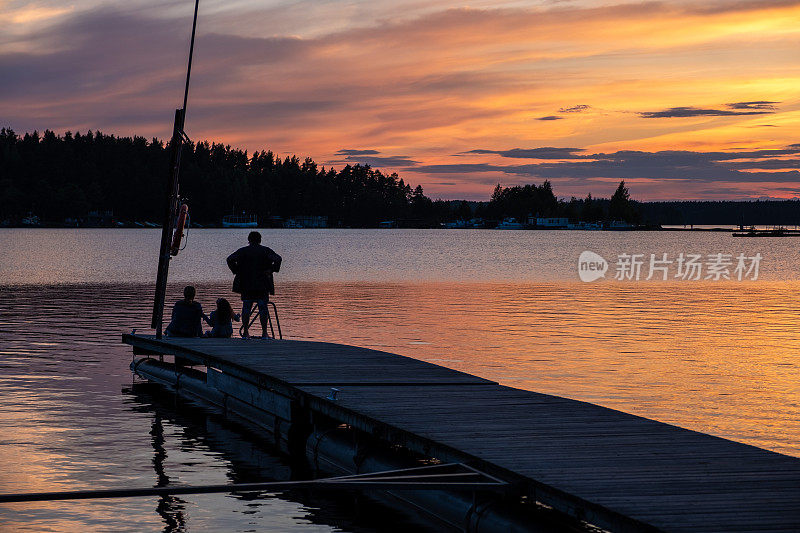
65,176
524,200
754,212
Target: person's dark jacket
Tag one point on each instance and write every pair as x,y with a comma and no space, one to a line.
186,320
253,266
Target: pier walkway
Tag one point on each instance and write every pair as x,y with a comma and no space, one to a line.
618,471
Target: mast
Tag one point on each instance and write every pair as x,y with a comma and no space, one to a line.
171,205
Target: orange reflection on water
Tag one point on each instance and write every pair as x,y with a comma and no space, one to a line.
716,358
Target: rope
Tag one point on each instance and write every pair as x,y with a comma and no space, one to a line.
186,231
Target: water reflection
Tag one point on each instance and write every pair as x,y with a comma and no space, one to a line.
169,507
65,425
718,358
715,358
251,458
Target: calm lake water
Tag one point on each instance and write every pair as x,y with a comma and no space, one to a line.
721,357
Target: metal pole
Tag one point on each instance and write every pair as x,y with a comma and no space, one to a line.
191,53
170,211
171,208
457,482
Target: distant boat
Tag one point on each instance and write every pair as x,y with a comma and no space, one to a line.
620,225
99,219
549,222
292,224
306,221
477,223
510,223
31,220
240,221
586,226
457,224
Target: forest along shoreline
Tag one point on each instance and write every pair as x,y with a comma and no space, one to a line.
99,180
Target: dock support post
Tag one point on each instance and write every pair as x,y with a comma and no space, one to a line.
170,210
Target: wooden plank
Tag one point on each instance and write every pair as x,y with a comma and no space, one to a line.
666,453
305,362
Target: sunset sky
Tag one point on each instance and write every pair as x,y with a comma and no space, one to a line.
683,100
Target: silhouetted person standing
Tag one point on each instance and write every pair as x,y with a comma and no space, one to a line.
253,266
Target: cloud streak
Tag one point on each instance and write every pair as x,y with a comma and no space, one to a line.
374,159
352,152
580,108
757,104
685,112
680,165
546,152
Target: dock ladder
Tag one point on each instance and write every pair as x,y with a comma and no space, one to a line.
254,314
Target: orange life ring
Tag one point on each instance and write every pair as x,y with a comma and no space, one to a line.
183,214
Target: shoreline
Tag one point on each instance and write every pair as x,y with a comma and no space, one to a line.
616,230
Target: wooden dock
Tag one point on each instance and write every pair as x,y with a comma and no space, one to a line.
615,470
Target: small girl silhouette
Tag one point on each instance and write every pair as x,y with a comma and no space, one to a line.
220,320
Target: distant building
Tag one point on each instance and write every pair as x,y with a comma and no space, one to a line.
551,223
